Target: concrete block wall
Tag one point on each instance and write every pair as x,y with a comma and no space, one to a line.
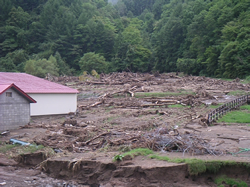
14,111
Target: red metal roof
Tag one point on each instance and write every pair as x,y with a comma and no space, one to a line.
31,84
3,88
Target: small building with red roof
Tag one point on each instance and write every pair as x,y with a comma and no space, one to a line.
51,98
14,107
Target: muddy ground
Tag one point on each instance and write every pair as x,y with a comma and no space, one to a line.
122,111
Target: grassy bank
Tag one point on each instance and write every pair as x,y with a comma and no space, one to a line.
238,116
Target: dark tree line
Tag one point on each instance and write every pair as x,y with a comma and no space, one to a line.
198,37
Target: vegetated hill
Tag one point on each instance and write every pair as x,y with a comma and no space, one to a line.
197,37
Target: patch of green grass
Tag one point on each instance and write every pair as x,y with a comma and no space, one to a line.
229,181
29,149
195,166
245,107
246,80
236,117
18,149
215,165
238,93
6,147
138,151
215,106
125,148
164,158
163,94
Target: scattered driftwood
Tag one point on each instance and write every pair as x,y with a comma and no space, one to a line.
162,113
166,101
96,137
92,105
138,103
192,129
139,82
160,139
124,78
94,83
106,95
229,138
152,105
185,143
79,136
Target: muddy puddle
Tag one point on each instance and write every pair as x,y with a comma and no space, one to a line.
220,99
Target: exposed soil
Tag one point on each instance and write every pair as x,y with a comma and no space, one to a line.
110,120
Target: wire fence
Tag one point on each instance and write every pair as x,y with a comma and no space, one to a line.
223,109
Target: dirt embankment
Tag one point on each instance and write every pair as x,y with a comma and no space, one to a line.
95,170
137,172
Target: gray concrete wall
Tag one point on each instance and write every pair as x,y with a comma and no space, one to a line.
14,111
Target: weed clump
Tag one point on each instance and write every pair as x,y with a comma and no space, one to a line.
139,151
220,181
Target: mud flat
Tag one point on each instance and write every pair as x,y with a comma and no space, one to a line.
124,111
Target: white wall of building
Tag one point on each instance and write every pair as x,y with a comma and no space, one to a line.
49,104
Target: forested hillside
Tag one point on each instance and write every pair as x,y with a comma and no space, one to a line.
64,37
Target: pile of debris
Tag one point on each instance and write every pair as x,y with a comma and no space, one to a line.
90,138
164,140
129,78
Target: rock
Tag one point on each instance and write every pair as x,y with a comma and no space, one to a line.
69,122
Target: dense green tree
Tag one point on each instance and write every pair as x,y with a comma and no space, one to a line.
42,67
211,63
91,61
157,8
29,5
188,66
138,59
138,6
7,65
5,7
121,8
132,35
149,21
234,59
64,68
15,34
169,40
194,36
